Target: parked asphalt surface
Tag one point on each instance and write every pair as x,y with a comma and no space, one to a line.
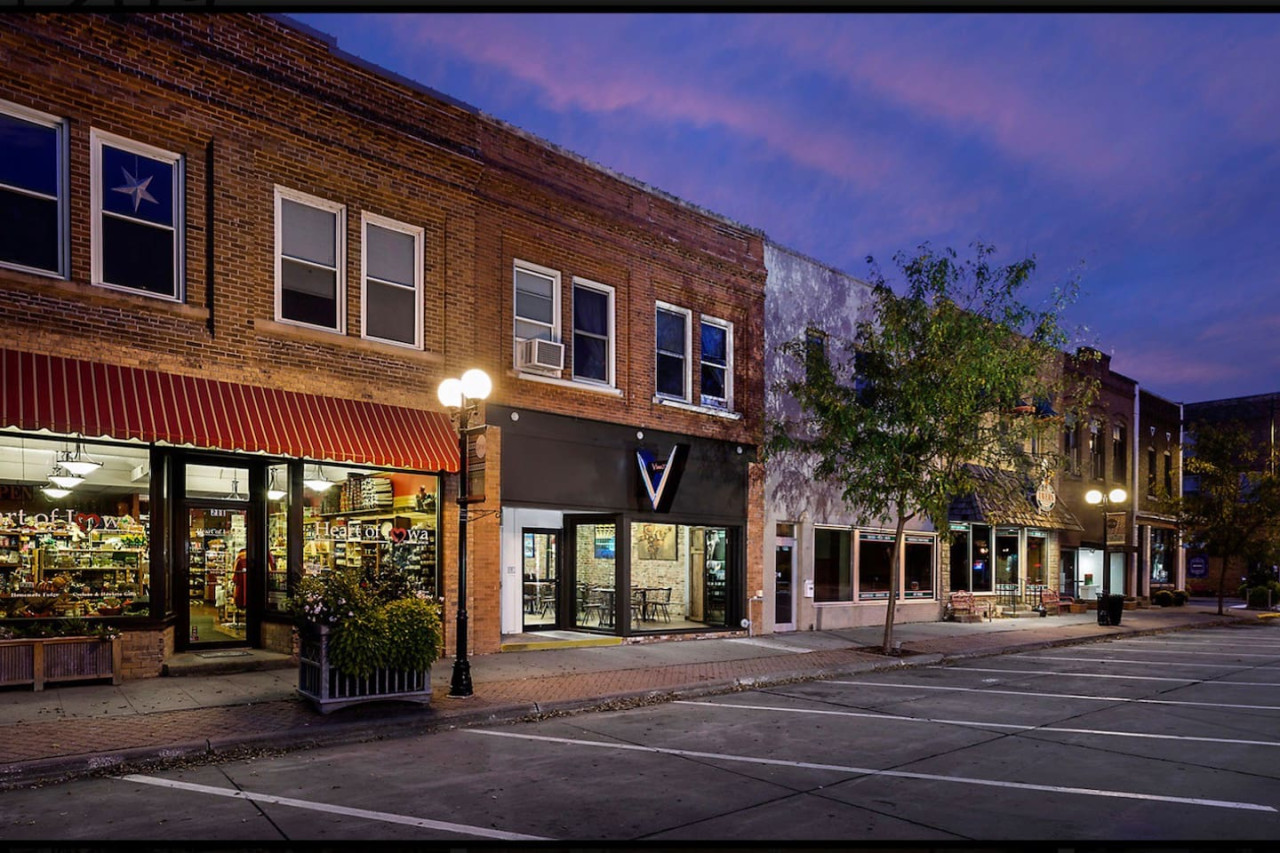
77,730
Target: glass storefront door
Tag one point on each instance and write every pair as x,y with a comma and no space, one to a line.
783,577
217,576
541,578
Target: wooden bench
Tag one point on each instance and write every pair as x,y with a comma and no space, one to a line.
1050,598
966,608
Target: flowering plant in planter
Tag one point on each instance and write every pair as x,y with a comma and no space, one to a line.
375,621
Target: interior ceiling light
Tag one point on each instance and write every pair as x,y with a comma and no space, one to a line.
55,492
235,490
274,494
62,478
318,482
80,464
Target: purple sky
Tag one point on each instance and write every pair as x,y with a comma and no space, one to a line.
1139,152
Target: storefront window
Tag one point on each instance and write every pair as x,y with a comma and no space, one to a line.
1007,570
596,559
1037,553
832,578
679,576
959,560
918,567
875,565
372,520
983,577
82,550
277,537
1159,555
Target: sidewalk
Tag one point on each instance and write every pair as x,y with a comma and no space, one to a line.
77,730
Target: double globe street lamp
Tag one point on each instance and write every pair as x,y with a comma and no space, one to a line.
462,397
1096,497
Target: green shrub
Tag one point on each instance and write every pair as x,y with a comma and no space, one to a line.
1163,597
1260,597
358,644
414,635
1180,597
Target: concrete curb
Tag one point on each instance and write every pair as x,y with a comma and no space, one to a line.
416,722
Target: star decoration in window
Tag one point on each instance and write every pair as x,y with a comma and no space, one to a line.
135,188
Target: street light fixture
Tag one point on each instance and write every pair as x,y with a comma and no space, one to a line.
462,397
1096,497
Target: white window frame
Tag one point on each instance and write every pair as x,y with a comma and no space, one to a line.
725,403
97,138
611,343
340,255
688,352
419,236
59,126
546,272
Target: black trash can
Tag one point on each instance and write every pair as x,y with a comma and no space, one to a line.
1110,608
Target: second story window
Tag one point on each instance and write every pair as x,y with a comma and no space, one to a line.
717,363
1071,445
1095,450
592,332
672,339
33,190
310,249
1119,455
1151,471
537,319
137,216
392,294
815,354
1168,474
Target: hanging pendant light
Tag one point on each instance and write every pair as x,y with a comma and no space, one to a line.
62,478
79,463
235,490
55,492
274,494
318,482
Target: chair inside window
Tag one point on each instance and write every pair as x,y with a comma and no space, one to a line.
589,601
659,602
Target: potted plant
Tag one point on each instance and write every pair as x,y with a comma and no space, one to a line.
364,637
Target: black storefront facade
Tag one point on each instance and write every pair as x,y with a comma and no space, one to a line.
619,531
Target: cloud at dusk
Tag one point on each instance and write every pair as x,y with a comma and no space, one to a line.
1137,150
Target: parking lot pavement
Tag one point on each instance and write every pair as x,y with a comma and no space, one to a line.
1115,740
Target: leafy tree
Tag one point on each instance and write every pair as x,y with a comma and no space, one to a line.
929,385
1234,513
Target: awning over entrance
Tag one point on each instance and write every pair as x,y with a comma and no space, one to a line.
1008,501
64,395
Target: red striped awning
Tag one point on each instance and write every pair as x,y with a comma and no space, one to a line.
64,395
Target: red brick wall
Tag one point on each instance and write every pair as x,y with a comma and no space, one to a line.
278,107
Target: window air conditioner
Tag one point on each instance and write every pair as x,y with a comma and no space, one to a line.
539,354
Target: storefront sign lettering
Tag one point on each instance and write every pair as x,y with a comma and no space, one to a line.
660,478
371,533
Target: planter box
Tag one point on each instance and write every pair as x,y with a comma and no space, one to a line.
1078,607
37,661
329,689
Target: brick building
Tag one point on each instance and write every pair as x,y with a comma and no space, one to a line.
235,265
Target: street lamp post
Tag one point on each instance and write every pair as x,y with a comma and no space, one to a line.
461,397
1097,497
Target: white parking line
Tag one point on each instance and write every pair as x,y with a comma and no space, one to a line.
781,647
364,814
1273,655
1056,695
1252,644
978,724
1061,659
867,771
1047,672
